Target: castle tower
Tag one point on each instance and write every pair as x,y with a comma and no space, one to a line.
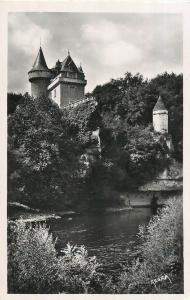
39,76
160,117
68,86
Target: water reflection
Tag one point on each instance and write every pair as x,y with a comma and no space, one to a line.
108,236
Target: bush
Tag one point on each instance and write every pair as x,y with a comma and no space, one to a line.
159,269
35,267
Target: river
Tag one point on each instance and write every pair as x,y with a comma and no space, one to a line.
109,236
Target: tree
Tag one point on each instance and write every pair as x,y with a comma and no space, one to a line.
44,160
132,99
12,101
47,144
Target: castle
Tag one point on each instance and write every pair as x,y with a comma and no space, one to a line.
65,83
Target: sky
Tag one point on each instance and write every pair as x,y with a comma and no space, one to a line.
106,44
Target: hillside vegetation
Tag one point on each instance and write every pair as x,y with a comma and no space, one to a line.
48,147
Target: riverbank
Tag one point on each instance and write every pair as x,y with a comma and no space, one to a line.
128,201
155,267
18,211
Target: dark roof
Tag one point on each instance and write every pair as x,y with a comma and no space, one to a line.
58,64
80,69
159,104
40,63
68,64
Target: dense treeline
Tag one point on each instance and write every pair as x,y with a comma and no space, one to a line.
53,160
132,99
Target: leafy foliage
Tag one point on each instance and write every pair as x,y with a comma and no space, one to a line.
13,100
148,152
160,265
132,98
43,157
34,267
54,161
80,121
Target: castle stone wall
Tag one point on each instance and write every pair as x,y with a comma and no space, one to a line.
160,121
70,93
55,95
39,87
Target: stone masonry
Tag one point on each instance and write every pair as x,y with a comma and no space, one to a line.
65,83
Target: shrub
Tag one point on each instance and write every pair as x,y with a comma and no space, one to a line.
159,269
77,270
31,259
35,267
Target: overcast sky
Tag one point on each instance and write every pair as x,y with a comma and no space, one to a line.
107,45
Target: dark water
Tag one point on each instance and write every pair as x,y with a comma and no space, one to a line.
110,236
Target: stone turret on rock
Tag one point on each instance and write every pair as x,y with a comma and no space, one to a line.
160,122
39,76
160,117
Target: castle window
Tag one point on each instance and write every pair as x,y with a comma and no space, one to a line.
54,93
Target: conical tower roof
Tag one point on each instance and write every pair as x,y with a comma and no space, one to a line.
40,63
159,105
68,64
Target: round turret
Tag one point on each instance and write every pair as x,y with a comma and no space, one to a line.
39,76
160,117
